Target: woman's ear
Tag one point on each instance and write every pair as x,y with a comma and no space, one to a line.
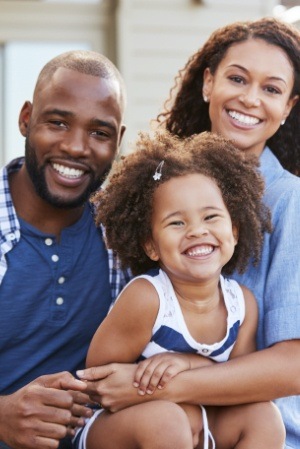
24,117
207,84
150,250
290,104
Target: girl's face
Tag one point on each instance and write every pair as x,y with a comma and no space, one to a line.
192,233
249,94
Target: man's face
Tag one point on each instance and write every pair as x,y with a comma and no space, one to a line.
73,130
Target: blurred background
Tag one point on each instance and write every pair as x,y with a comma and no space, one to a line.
148,40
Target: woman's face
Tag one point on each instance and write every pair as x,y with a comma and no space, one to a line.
249,94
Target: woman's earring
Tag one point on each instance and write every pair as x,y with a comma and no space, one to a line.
282,122
205,98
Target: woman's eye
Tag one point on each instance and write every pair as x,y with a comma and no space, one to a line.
273,90
237,79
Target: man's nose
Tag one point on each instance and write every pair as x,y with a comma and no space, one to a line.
74,142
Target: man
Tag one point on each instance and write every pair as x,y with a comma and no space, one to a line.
57,280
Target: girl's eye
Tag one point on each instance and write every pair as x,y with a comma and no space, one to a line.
211,217
176,223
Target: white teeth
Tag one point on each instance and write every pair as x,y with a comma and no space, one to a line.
200,251
67,171
245,119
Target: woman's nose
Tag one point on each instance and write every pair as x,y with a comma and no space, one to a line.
250,98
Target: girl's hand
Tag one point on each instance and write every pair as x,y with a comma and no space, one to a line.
159,369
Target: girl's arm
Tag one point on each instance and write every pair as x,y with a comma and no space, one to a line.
245,342
127,329
156,371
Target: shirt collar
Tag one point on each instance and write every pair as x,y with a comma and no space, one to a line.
270,167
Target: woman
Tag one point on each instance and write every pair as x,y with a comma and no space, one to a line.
244,84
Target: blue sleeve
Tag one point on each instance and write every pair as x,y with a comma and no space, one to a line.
282,287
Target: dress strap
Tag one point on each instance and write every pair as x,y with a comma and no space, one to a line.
206,432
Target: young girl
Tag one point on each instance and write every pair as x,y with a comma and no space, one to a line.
179,213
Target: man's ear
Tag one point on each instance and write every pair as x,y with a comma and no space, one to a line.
150,250
24,117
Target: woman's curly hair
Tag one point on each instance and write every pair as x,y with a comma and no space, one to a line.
125,206
186,113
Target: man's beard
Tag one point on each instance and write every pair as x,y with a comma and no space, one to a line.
38,179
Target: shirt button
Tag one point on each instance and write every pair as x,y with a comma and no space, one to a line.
61,280
204,351
48,242
11,236
55,258
59,301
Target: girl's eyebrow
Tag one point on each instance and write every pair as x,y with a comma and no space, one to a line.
172,214
179,212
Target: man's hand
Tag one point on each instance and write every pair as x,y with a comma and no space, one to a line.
112,385
41,413
80,409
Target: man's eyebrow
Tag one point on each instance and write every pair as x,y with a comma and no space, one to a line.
101,123
59,112
93,121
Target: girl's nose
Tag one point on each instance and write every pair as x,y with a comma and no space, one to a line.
197,230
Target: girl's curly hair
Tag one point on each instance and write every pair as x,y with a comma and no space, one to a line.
125,206
186,113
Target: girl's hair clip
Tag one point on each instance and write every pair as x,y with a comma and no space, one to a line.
158,171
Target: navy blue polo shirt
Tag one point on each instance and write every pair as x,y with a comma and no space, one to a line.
53,297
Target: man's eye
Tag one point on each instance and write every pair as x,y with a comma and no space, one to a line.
99,133
58,123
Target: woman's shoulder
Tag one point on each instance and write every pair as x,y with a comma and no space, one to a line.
284,191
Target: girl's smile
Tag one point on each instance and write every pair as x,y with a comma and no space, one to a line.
192,233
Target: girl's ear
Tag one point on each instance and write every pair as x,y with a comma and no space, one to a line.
150,250
24,117
235,232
